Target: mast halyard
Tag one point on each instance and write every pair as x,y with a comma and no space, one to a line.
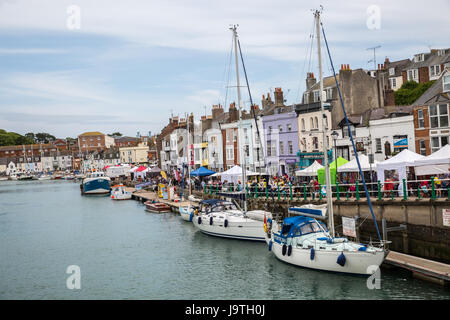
241,151
324,126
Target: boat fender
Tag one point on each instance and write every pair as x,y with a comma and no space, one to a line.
289,250
341,260
199,220
312,254
225,223
363,248
191,216
210,221
270,245
283,250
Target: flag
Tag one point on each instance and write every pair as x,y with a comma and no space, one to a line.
164,175
265,223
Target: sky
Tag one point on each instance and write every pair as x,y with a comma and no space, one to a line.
67,67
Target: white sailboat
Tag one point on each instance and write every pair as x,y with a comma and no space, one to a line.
304,240
223,218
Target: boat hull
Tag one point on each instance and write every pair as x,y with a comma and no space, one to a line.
157,207
245,230
186,214
356,262
99,185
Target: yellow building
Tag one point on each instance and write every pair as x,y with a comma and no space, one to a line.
138,154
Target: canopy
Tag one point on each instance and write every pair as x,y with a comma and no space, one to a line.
140,169
436,163
134,169
352,166
309,171
399,163
202,172
234,174
155,170
321,172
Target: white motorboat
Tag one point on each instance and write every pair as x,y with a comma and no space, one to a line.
118,192
45,177
223,219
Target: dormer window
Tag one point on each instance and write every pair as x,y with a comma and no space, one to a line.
412,75
446,83
435,70
441,52
391,71
419,57
316,96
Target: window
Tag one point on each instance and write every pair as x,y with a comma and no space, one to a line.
316,95
281,148
230,153
423,150
311,123
438,142
291,149
269,149
247,150
393,82
378,145
289,127
419,57
391,71
234,136
315,142
420,118
270,129
435,70
303,124
345,131
329,92
438,116
280,128
412,75
98,138
446,83
316,122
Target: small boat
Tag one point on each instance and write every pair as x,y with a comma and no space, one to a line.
118,192
69,177
96,183
3,178
157,207
57,176
187,213
45,177
24,176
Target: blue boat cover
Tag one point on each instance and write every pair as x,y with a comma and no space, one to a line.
202,172
316,212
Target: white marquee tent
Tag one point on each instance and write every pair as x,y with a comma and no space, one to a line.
233,175
436,163
399,163
352,166
309,171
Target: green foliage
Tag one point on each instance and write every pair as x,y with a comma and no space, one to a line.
12,139
410,91
115,134
43,137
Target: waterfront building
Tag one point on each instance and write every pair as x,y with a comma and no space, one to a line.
428,66
281,137
136,155
431,116
126,141
91,141
375,133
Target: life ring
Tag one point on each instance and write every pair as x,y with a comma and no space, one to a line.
225,223
210,221
289,250
199,220
283,250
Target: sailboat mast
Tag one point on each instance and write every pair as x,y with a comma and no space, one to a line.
325,143
241,150
188,153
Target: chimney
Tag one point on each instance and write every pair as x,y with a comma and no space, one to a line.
279,97
233,113
310,80
217,111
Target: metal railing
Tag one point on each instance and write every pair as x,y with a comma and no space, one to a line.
389,190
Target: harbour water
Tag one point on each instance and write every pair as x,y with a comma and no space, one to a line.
125,252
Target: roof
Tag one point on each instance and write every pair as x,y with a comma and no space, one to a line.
431,58
398,65
327,82
434,91
310,107
91,133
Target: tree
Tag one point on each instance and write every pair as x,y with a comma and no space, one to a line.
410,91
115,134
44,137
30,135
13,138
